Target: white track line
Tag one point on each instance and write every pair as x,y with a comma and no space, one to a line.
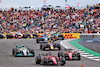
66,44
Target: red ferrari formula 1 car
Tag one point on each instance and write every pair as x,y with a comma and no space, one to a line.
49,59
50,46
69,54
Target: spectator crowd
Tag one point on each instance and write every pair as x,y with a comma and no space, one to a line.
70,20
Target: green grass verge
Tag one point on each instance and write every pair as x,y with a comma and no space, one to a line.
77,45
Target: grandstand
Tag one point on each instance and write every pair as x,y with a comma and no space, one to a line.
71,20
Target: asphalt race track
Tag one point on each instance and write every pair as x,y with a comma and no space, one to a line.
7,60
94,45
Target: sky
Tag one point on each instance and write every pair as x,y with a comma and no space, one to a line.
39,3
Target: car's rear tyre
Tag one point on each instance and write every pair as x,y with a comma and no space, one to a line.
24,36
32,51
43,48
28,36
59,47
78,56
7,38
60,54
45,61
38,60
37,41
14,51
40,46
62,38
63,61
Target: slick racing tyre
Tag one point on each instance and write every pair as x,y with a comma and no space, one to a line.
60,54
43,48
78,56
59,47
14,52
37,41
40,46
45,61
38,60
62,38
32,51
62,60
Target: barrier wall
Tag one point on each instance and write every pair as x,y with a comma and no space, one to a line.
82,36
67,35
72,35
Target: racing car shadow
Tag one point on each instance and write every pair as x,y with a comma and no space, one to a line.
50,50
9,55
47,50
17,56
72,60
23,56
47,65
